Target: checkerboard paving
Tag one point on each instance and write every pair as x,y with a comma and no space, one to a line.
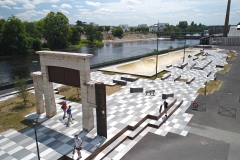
124,108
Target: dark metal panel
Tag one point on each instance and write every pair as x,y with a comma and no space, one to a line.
64,76
101,110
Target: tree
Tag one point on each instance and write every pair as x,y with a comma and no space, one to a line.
92,34
117,32
183,25
76,36
56,30
14,39
107,29
21,86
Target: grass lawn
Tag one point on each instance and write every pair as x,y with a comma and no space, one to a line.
12,113
211,86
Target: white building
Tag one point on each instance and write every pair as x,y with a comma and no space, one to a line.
154,28
125,27
233,32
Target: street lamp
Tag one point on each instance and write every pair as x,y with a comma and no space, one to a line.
35,123
158,34
184,47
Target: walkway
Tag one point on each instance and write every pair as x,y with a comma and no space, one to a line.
124,109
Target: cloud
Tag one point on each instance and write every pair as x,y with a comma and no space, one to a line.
44,1
6,7
28,15
64,11
93,4
66,6
54,6
7,3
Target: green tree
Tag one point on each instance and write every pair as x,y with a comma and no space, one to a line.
117,32
76,35
32,29
183,25
92,34
14,39
56,30
107,29
21,86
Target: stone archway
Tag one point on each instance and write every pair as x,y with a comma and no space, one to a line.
69,69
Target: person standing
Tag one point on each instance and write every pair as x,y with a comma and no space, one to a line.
64,108
77,146
165,107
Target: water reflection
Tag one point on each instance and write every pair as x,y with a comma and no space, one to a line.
22,66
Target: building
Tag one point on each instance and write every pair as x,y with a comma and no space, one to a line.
142,25
154,28
125,27
234,32
215,29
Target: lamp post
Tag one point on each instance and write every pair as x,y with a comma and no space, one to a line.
157,49
184,48
35,122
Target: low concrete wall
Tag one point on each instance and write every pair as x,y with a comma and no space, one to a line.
225,41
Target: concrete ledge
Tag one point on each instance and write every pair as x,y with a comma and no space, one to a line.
166,76
120,82
129,79
190,81
136,90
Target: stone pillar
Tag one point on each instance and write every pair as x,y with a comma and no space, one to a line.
87,110
38,87
48,91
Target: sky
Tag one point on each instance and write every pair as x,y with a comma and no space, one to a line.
131,12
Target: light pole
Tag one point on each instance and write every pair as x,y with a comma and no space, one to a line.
157,48
184,48
35,122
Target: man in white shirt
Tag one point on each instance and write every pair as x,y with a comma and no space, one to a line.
78,146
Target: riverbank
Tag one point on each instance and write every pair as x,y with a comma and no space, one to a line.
127,37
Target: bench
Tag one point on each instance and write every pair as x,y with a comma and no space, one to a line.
190,81
166,76
136,90
168,66
150,92
177,78
195,58
182,66
219,66
129,79
120,82
165,96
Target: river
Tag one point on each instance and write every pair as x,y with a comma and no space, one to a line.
22,66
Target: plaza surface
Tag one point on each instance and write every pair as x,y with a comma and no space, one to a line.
123,109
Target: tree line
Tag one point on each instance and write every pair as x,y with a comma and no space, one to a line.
53,31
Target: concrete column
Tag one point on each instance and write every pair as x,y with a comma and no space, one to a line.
38,87
48,91
87,110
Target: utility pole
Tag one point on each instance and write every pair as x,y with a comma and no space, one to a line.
227,19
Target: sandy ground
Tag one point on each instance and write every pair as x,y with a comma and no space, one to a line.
146,66
131,38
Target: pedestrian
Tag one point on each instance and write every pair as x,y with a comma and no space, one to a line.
64,108
69,113
165,107
77,146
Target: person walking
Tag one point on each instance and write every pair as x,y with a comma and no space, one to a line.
69,113
64,108
77,146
